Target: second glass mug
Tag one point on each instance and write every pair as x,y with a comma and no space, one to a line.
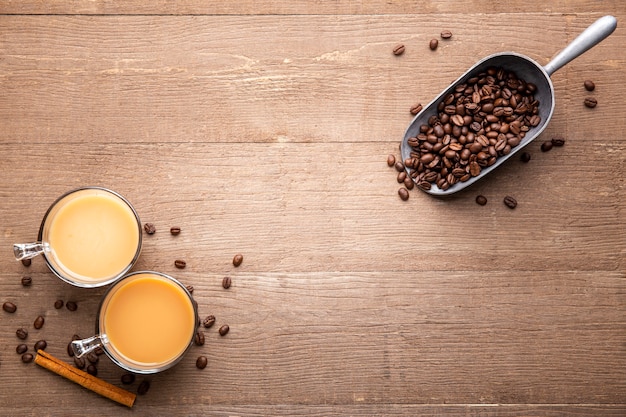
89,237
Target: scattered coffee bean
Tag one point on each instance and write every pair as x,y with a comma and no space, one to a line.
525,157
391,160
190,289
92,370
208,321
224,330
9,307
128,378
589,85
58,304
416,108
510,202
201,362
591,102
237,260
149,228
398,49
226,282
27,281
92,358
180,264
70,351
558,141
98,351
401,177
434,43
198,339
41,345
26,262
27,357
481,200
403,193
39,321
79,363
408,183
483,119
143,388
399,166
446,34
71,305
21,348
175,230
546,146
21,333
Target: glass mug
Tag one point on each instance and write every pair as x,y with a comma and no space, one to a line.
146,323
89,237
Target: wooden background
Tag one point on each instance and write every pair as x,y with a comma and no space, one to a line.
264,129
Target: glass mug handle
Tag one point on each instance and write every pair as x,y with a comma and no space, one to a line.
84,346
29,250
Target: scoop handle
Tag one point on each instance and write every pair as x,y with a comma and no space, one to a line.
590,37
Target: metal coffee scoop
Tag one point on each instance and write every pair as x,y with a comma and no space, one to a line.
526,69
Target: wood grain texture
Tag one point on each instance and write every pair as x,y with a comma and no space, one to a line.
264,129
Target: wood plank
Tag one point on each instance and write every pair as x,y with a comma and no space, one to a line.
238,79
276,7
318,207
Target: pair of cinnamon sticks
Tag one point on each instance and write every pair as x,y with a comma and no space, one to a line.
84,379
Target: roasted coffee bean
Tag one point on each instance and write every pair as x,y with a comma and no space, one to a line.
39,321
201,362
175,230
558,141
398,49
144,387
399,166
226,282
150,228
208,321
92,370
180,264
237,260
546,146
190,289
41,345
391,160
70,351
27,281
92,357
434,43
128,378
401,177
525,157
71,305
224,329
416,108
589,85
9,307
403,193
591,102
21,348
99,351
26,262
446,34
21,333
408,183
481,200
27,357
510,202
79,363
58,304
198,339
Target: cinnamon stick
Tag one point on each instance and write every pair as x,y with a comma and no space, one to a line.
84,379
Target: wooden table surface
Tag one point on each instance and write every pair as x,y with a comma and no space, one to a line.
264,129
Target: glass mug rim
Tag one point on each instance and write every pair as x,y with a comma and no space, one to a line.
63,275
101,339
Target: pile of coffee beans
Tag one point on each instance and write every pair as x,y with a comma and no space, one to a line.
483,119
